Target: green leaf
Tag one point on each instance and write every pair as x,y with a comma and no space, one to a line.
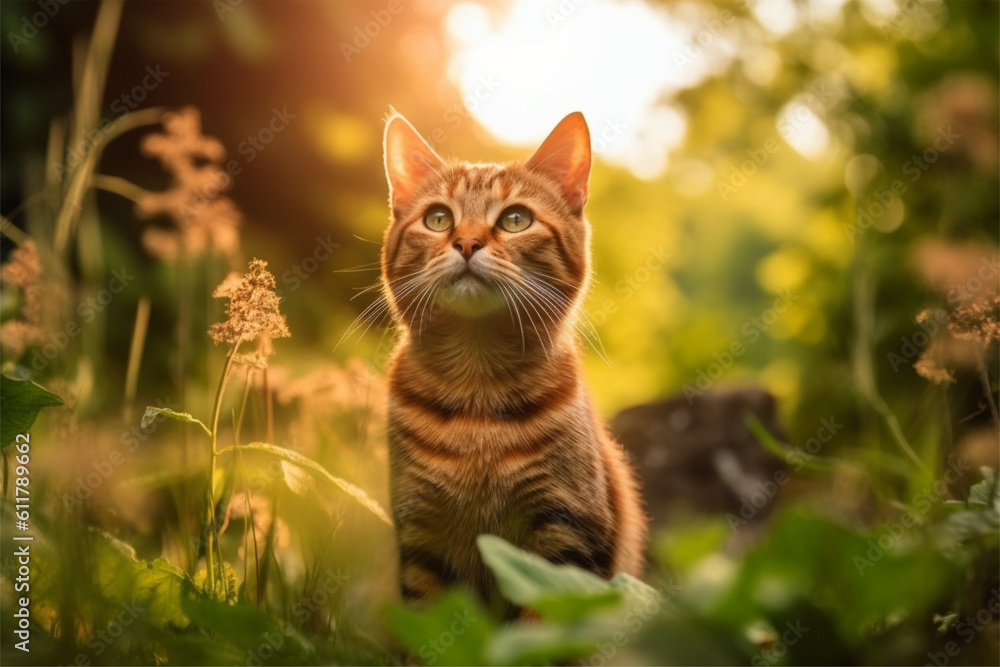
308,464
225,585
247,630
683,547
557,592
153,413
549,643
454,630
155,585
979,494
770,443
20,403
966,525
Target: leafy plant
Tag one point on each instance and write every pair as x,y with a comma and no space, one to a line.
20,403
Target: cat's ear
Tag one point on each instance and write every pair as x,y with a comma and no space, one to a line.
565,157
408,160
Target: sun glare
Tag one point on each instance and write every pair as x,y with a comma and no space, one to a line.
527,68
523,68
803,130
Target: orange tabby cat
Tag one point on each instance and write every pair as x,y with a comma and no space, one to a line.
491,429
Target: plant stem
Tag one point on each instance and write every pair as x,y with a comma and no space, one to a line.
984,379
213,454
139,330
120,186
11,231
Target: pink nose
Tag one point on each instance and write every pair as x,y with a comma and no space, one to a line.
468,246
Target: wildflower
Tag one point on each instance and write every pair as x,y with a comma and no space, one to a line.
976,319
966,104
24,271
258,359
203,219
252,313
258,512
967,276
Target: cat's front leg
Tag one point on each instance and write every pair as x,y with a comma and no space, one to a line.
422,572
568,536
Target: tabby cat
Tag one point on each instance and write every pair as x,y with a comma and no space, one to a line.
491,429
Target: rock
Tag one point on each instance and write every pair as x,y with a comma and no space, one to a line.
699,457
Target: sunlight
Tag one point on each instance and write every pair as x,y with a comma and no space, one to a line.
529,68
803,130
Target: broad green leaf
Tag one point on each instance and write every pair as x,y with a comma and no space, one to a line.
558,592
20,403
684,546
308,464
550,643
152,413
156,585
967,524
454,630
979,494
225,588
247,629
636,591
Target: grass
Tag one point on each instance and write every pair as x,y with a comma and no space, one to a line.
243,521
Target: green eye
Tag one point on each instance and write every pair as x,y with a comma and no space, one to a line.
439,218
515,219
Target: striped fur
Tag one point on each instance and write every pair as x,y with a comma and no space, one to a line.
491,428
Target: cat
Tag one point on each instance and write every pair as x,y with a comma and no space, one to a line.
491,429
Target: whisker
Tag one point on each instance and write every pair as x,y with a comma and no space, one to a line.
377,310
430,300
530,302
516,311
357,269
584,326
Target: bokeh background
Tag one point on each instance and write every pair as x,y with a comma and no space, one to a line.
791,199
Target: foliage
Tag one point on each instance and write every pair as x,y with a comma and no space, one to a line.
155,545
20,403
813,592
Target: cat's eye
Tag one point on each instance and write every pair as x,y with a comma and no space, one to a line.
439,218
515,219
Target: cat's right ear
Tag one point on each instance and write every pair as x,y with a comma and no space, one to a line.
409,160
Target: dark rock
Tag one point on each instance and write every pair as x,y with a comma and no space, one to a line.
700,457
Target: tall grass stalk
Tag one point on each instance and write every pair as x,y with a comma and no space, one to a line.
213,454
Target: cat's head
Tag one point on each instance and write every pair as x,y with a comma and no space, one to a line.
507,241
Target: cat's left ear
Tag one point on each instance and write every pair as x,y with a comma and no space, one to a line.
564,156
409,160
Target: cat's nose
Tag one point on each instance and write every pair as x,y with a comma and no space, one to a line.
467,246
